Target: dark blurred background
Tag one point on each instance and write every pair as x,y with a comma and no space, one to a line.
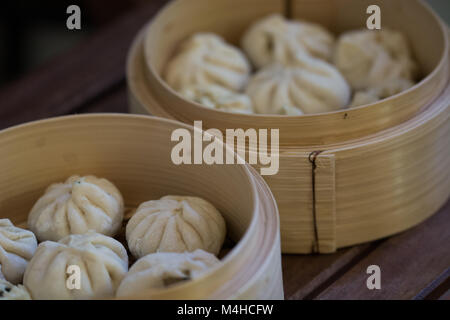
32,32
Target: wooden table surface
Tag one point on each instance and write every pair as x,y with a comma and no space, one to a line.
91,78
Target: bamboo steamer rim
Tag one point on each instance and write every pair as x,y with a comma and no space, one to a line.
434,81
437,108
434,109
440,65
137,92
241,258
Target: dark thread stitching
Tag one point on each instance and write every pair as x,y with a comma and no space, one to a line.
312,159
288,9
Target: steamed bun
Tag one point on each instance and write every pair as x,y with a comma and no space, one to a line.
368,59
217,97
17,246
102,260
160,270
76,206
8,291
310,85
204,59
175,224
381,91
275,39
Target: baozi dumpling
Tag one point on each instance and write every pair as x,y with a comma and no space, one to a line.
275,39
76,206
161,270
289,110
311,85
8,291
364,97
102,260
217,97
382,91
369,58
204,59
17,246
175,224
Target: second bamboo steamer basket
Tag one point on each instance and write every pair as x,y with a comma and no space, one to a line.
345,177
134,152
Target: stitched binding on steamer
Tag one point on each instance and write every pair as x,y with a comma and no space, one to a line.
312,158
288,9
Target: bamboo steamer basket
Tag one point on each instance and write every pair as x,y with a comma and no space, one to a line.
345,177
134,152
